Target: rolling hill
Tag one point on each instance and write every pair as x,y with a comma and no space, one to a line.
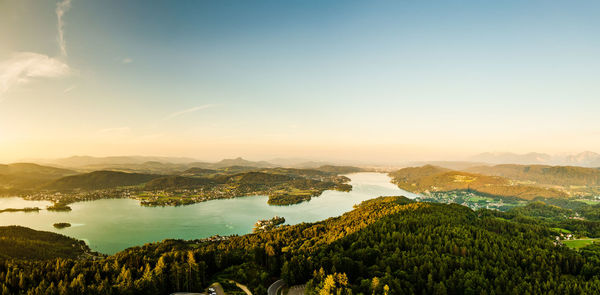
195,171
22,176
258,178
427,179
543,174
179,182
241,162
18,242
34,170
339,169
83,161
99,180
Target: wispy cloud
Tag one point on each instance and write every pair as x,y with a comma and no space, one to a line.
24,66
21,67
127,60
190,110
62,8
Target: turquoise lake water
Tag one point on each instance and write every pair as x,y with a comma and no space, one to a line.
111,225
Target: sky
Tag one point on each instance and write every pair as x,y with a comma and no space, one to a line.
327,80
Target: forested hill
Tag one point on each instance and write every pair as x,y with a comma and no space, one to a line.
386,245
340,169
181,182
99,180
427,179
412,174
27,175
542,174
34,170
24,243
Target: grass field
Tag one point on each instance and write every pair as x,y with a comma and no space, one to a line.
576,244
561,230
478,198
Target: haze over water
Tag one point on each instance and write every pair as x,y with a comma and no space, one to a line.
111,225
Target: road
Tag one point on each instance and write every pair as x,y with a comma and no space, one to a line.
274,288
218,289
297,290
243,287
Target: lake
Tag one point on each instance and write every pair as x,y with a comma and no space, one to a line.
111,225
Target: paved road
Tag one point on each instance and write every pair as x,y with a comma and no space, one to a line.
243,287
218,289
297,290
274,288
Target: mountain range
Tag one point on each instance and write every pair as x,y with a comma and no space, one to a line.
583,159
144,164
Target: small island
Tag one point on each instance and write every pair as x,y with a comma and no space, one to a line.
284,199
61,225
27,209
268,224
60,207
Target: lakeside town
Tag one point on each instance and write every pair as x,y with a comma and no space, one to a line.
470,199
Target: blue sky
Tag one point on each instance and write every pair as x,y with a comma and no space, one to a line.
368,80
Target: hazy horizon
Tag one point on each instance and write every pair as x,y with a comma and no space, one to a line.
583,159
321,80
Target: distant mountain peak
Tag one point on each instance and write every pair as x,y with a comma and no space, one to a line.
585,159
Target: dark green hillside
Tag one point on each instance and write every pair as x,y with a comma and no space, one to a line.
542,174
581,219
195,171
179,182
237,169
100,180
543,210
440,249
258,178
387,245
25,243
